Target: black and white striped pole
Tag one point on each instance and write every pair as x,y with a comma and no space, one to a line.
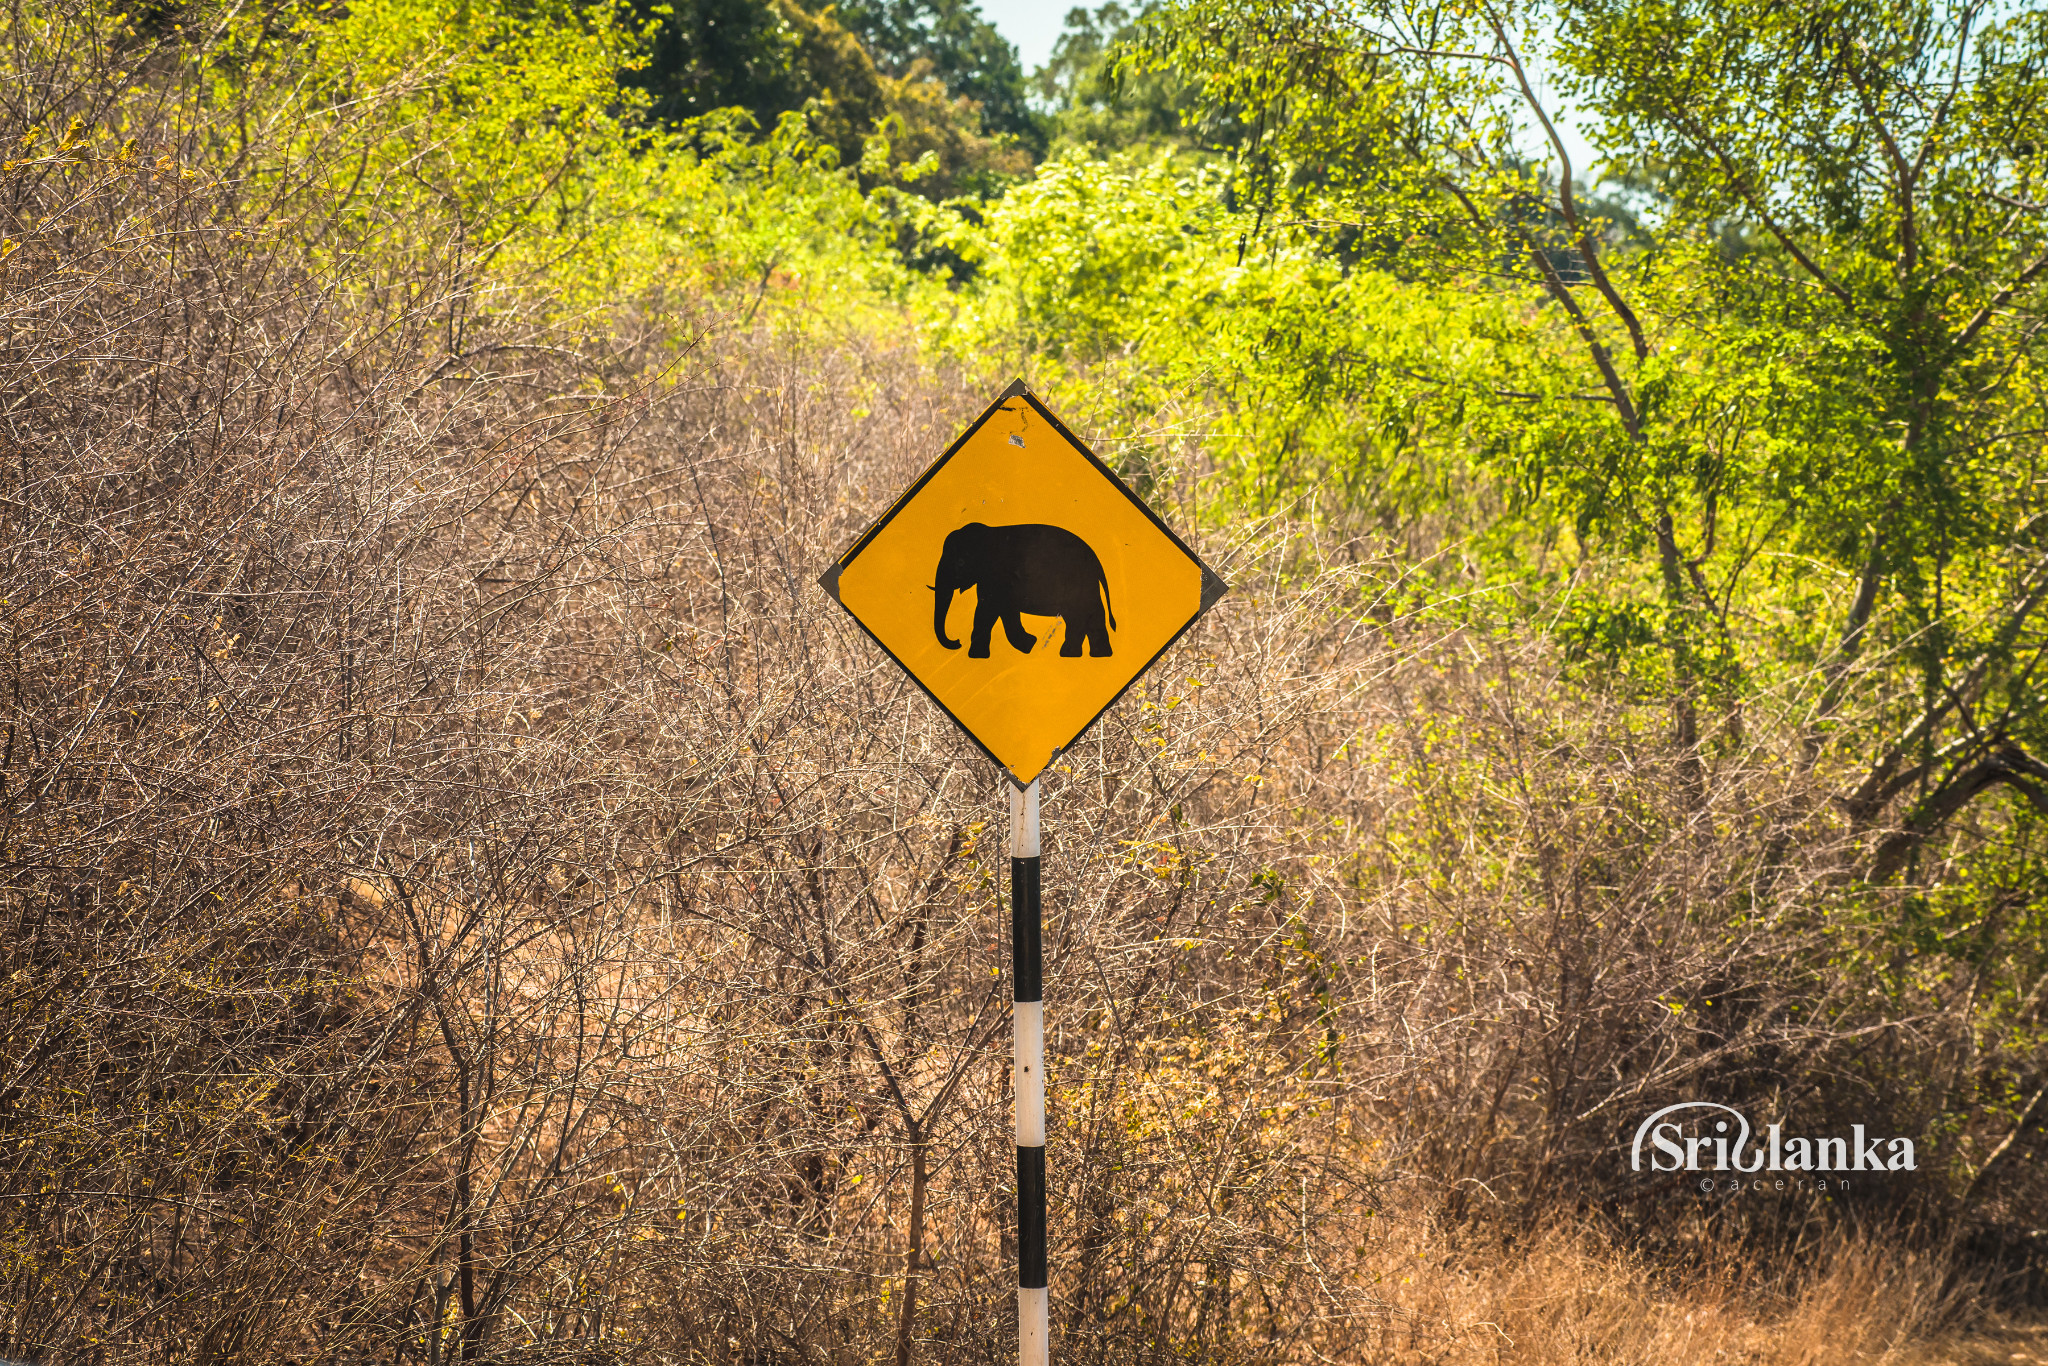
1029,1025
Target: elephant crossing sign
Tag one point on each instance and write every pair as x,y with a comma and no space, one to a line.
1019,526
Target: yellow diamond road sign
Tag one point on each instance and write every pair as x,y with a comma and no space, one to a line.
1022,584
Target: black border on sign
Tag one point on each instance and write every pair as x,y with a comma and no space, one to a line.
1213,586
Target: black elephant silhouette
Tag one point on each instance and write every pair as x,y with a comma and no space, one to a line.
1046,571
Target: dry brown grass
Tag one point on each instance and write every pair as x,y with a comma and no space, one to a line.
1563,1295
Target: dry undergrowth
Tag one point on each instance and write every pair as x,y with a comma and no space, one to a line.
1562,1297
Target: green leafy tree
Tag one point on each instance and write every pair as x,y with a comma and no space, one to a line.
1887,159
1098,98
777,58
717,54
1822,450
949,41
768,57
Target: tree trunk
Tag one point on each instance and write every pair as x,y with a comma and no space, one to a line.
916,1250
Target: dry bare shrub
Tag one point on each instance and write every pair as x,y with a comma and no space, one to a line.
466,890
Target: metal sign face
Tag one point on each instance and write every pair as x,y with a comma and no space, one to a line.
1022,584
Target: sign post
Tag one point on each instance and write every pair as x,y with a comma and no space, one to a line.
1018,519
1028,1042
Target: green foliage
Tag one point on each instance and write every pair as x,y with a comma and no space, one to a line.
719,54
1131,272
1883,157
950,41
932,80
1102,98
1792,403
498,138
